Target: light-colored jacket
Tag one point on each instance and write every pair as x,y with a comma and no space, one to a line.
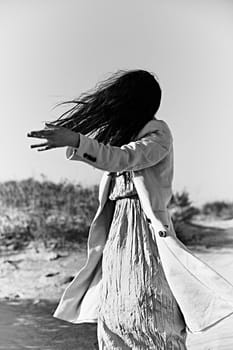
203,295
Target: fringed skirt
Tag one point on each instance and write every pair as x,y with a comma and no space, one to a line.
137,308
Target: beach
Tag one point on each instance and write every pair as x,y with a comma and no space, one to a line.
32,281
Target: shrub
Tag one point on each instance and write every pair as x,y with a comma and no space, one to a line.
181,207
46,210
218,209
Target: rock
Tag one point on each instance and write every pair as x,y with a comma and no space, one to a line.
67,279
14,263
18,245
55,256
17,296
13,296
51,274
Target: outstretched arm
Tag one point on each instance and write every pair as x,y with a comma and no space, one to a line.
145,152
136,155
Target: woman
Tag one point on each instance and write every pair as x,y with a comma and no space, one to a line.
141,285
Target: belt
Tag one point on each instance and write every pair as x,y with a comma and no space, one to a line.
129,196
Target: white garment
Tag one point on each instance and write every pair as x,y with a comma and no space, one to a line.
203,295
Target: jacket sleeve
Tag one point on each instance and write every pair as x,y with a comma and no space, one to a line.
136,155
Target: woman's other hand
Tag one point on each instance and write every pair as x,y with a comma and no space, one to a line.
56,136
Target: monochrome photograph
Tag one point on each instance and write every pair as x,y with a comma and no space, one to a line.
116,190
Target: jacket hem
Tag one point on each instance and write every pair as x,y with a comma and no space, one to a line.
85,320
213,324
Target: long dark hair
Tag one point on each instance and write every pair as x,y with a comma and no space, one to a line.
116,110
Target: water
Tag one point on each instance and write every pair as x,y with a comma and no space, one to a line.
26,325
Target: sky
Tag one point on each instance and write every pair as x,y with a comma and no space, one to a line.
52,51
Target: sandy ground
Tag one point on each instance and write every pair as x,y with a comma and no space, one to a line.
29,278
38,274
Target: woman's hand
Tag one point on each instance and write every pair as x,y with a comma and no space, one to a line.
56,136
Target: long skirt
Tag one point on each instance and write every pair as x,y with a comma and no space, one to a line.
137,309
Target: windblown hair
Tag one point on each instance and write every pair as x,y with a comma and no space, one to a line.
116,110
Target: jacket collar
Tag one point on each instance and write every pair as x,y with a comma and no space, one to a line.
151,126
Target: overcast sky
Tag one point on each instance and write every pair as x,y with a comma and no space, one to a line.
52,51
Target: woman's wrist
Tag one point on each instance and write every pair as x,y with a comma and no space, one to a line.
75,140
